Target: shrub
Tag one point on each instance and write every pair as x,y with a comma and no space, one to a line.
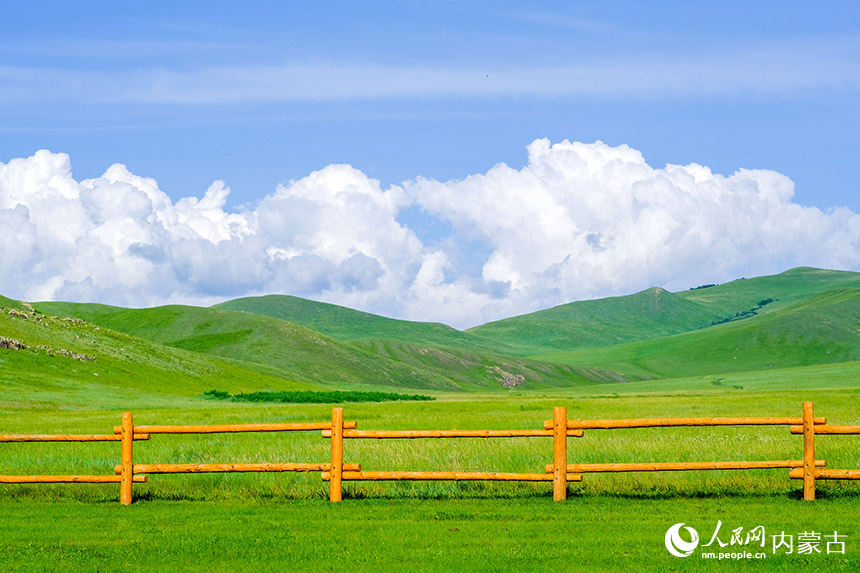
310,397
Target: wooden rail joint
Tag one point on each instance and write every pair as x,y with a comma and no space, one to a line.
799,473
831,429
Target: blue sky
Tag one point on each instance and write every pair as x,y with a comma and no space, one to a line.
803,124
258,94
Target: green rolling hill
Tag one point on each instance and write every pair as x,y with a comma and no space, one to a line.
286,350
822,329
784,289
651,313
60,362
656,312
264,344
463,357
800,318
350,325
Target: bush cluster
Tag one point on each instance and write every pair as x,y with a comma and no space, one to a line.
310,397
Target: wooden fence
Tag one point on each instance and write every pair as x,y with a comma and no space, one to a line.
335,471
125,479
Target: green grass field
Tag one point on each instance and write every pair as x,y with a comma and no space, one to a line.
74,368
284,521
583,534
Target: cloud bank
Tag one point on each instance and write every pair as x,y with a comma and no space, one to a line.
577,221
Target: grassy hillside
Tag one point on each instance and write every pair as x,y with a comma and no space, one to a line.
488,370
822,329
59,363
8,304
347,324
783,289
651,313
264,344
799,318
280,348
465,358
656,313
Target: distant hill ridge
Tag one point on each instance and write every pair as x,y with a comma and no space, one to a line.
261,343
803,316
821,329
652,313
656,312
347,324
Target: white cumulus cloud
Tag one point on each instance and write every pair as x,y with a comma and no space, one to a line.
586,220
578,221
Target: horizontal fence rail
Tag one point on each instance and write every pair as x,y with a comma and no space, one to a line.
228,468
67,437
822,428
411,434
677,422
828,474
683,466
446,476
236,428
335,471
66,479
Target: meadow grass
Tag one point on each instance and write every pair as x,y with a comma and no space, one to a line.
530,534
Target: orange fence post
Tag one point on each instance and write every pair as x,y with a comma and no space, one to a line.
808,452
559,457
335,492
127,470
